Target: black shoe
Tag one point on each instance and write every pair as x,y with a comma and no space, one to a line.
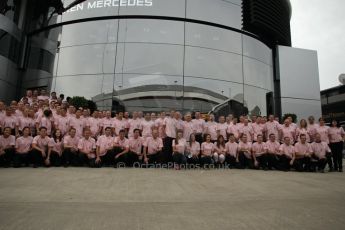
340,170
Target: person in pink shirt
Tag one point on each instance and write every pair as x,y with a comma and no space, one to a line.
153,147
234,129
231,151
336,138
62,122
104,149
121,149
211,128
87,149
25,121
287,154
222,127
187,126
107,121
219,151
23,149
159,124
193,151
198,127
40,148
7,151
135,149
55,145
247,130
271,126
258,128
323,130
45,121
70,152
170,127
272,146
244,153
134,123
303,153
312,128
207,149
78,123
147,125
94,124
321,154
119,124
287,130
11,121
259,151
179,146
302,129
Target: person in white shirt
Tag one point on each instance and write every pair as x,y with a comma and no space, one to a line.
179,147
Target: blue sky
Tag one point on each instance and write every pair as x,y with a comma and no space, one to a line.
320,25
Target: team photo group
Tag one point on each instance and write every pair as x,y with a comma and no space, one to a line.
43,130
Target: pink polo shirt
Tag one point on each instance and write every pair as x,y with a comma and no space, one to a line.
288,131
136,144
246,146
300,131
320,149
153,145
133,124
62,123
42,143
104,143
273,147
56,145
194,148
259,149
257,130
312,131
271,128
94,125
302,149
78,124
235,129
124,143
248,130
231,148
187,129
207,148
106,122
198,125
181,146
323,131
221,149
211,128
287,150
87,146
10,121
69,141
7,142
336,134
170,127
23,144
45,122
119,125
159,124
26,122
147,127
222,128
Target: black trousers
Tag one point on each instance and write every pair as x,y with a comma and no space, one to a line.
283,163
318,163
132,158
337,154
7,158
244,162
107,159
193,160
168,150
121,159
179,158
206,161
20,159
302,164
37,158
85,160
263,161
55,159
70,158
231,160
272,161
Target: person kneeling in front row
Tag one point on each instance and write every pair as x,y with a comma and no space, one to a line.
153,148
23,149
303,154
321,152
260,153
104,149
286,156
87,149
121,149
179,147
244,155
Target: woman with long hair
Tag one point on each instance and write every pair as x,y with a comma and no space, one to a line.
193,150
207,149
219,152
55,149
302,129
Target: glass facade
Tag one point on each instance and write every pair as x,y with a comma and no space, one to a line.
151,64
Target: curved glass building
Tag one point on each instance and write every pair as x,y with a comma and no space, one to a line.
150,55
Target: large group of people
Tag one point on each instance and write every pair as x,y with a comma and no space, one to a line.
45,130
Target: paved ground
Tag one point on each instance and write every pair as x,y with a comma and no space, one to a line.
81,198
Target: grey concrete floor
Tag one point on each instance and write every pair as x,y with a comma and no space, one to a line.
82,198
